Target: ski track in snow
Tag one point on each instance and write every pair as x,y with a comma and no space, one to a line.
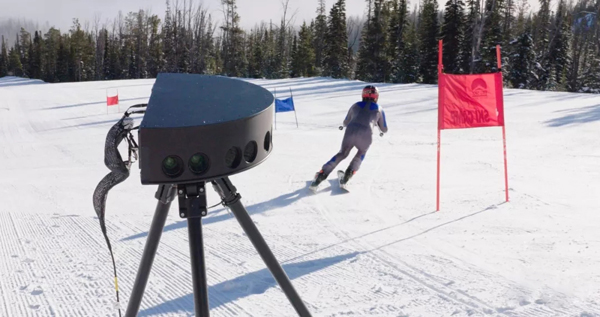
379,250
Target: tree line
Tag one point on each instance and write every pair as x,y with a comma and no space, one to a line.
555,48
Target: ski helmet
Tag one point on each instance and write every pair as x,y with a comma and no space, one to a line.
370,93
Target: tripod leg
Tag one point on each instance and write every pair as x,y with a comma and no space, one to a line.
198,267
165,195
192,204
232,200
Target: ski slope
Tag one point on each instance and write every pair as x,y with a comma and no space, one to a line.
381,250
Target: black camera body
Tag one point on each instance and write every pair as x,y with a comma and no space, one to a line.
200,128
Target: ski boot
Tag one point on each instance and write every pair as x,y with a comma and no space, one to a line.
319,177
344,177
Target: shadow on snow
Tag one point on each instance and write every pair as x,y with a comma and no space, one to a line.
576,116
278,202
253,283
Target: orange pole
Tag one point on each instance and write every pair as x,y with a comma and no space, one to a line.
440,63
437,205
440,70
498,57
503,132
505,163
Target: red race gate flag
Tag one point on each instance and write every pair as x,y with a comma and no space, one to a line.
470,101
111,101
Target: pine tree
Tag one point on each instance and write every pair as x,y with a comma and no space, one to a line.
209,49
141,47
336,52
24,50
216,60
62,60
508,20
234,63
29,66
14,63
428,42
3,59
373,59
320,32
522,60
256,59
582,37
182,46
115,61
133,63
51,46
106,65
281,53
125,59
202,42
521,20
397,31
36,60
590,76
168,31
304,57
270,58
409,65
541,34
453,35
541,41
295,71
156,55
492,35
559,49
471,35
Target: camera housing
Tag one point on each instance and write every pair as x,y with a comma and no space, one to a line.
201,127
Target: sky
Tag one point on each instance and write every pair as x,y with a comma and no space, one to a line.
60,13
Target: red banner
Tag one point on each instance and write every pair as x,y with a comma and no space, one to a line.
470,101
111,101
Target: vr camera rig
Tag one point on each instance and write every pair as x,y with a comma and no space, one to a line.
195,129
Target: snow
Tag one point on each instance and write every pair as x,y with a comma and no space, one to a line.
381,250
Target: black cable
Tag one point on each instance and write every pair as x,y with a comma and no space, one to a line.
221,202
119,172
114,264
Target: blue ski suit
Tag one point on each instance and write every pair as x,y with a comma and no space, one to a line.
359,123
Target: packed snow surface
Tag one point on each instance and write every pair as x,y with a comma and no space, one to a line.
380,250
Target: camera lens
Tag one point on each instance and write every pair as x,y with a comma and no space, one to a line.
198,163
250,151
233,158
172,166
267,144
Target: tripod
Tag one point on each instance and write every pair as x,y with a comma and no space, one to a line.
193,206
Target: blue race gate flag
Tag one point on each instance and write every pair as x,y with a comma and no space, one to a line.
284,105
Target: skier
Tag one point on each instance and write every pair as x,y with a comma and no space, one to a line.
361,116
